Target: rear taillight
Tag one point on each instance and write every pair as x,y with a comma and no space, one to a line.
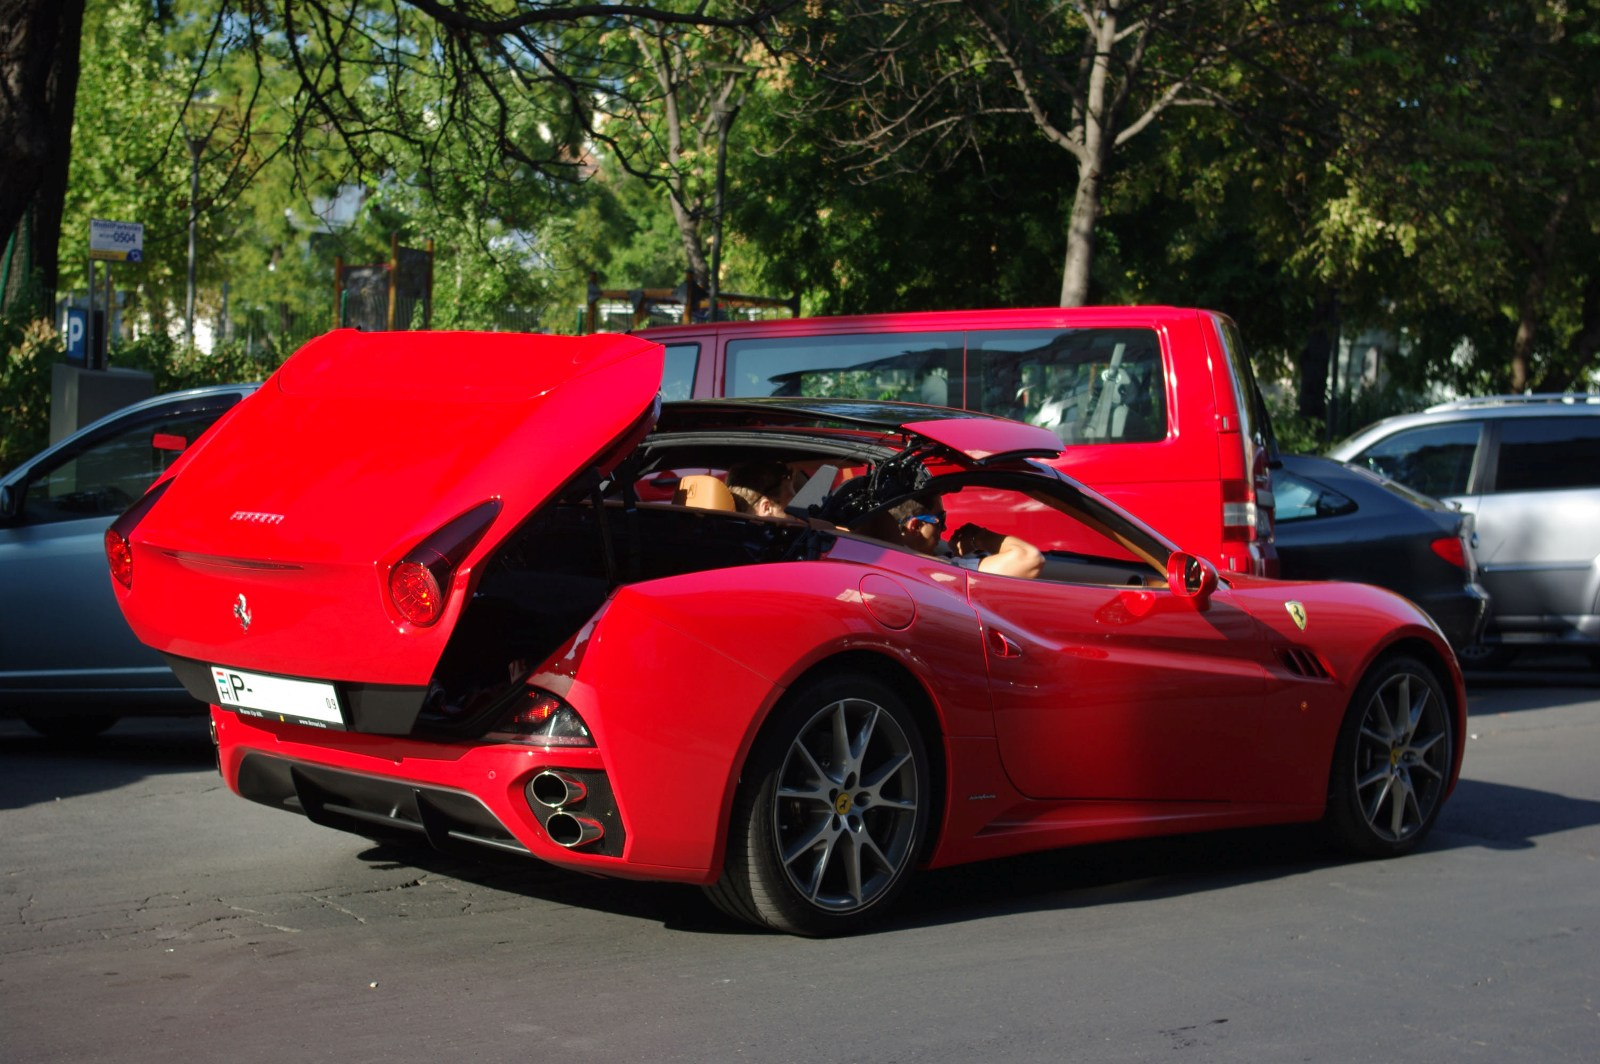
420,581
1240,518
119,551
1451,549
416,592
542,719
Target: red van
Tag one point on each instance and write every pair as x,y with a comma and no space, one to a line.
1157,406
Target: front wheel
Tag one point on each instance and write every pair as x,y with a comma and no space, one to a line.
1392,763
831,812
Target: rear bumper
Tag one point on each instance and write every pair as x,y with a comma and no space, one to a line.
1460,615
457,797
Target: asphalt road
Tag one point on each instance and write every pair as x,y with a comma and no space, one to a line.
151,915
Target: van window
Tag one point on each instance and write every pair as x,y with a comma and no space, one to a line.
910,367
1253,422
1435,459
1087,385
677,376
1541,454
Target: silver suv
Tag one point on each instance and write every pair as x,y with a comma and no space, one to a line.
1528,467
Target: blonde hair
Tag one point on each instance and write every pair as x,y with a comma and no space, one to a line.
747,500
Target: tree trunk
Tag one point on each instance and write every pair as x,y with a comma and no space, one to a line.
1588,342
1540,257
1527,327
1080,237
1316,356
38,88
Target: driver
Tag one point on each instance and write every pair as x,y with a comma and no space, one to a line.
762,487
916,523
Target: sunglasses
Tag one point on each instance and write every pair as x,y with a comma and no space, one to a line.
936,520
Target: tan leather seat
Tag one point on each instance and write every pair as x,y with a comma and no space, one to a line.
703,492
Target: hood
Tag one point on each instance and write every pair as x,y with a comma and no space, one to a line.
359,447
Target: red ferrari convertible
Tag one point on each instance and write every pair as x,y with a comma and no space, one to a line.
439,585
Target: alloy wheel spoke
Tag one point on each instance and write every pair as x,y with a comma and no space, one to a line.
1373,737
843,756
854,880
820,778
1433,773
1382,772
1421,748
1401,803
871,782
1375,806
808,842
811,883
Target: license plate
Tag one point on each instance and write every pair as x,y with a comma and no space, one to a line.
303,701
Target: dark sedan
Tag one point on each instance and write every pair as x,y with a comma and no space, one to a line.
69,666
1339,522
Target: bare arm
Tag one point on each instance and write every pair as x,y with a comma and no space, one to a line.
1008,555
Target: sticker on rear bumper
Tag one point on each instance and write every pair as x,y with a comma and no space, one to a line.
297,701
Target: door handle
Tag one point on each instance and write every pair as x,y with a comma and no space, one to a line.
1002,645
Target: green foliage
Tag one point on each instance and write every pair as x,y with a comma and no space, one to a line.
1420,167
31,348
1296,434
175,367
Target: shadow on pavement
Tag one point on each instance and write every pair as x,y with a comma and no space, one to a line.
1490,815
1569,669
36,769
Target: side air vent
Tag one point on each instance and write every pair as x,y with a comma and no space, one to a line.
1303,662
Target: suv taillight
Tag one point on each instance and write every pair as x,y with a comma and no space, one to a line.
420,581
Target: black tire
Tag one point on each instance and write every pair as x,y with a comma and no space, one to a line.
831,811
1393,760
70,726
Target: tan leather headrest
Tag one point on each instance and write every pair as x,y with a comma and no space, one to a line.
703,492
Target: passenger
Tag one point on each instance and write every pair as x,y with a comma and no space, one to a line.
916,523
762,487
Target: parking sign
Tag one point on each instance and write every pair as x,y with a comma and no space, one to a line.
116,241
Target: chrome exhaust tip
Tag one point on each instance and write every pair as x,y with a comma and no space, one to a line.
556,789
571,831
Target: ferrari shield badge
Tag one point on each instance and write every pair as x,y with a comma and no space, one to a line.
1297,613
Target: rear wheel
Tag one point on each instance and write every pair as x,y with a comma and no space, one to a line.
1391,766
831,813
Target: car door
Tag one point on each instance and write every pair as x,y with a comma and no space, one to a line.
1124,693
1105,684
1538,519
61,634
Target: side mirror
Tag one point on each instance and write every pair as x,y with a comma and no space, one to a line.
166,441
1190,576
9,499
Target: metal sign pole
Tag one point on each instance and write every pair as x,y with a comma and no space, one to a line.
88,326
111,310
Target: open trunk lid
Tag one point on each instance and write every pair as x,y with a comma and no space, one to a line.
270,549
